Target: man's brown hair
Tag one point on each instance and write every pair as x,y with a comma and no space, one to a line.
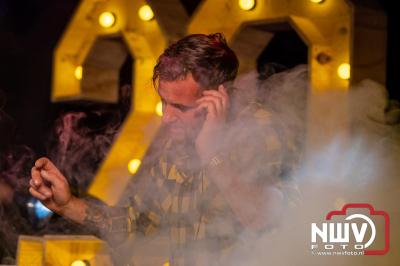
207,57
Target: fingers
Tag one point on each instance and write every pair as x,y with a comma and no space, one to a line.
48,171
39,195
209,107
44,170
215,102
38,185
51,177
221,94
41,162
36,194
45,164
36,178
31,183
219,98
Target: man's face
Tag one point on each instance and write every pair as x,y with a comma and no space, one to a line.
181,116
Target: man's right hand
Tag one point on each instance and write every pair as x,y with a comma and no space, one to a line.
50,186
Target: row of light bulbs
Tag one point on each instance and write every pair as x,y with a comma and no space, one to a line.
343,72
107,19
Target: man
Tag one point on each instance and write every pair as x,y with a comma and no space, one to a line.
213,177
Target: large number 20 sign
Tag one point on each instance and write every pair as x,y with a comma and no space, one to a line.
342,40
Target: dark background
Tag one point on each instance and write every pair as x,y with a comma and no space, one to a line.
29,31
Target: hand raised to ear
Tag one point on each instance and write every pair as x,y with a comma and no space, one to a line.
216,103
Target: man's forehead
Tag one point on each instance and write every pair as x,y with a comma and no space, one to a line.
179,90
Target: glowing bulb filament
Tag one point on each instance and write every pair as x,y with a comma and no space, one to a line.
78,263
78,72
145,13
107,19
247,4
343,71
133,166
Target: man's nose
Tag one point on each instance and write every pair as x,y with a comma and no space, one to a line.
168,116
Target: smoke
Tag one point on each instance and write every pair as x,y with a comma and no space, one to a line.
78,142
361,167
14,165
78,149
244,140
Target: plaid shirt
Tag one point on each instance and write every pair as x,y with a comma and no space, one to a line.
172,194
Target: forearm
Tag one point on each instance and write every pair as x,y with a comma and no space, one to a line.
75,210
113,224
97,215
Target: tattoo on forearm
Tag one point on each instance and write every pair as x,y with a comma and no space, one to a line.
96,218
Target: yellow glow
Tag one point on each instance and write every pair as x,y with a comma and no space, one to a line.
166,264
107,19
317,1
159,109
247,4
145,13
78,263
78,72
133,166
344,71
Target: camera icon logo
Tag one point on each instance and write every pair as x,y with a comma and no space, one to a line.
352,231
